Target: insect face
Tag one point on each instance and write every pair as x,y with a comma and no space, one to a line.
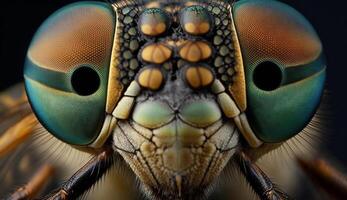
176,88
173,133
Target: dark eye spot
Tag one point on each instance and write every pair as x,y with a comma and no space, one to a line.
85,81
267,76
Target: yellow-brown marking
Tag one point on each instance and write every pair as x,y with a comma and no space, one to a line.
171,8
153,5
195,51
197,28
12,97
17,134
115,88
153,29
238,88
325,176
199,77
151,78
156,53
192,3
36,184
175,43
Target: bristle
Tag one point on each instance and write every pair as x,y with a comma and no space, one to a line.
307,142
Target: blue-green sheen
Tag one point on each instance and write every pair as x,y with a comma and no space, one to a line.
54,79
278,115
72,118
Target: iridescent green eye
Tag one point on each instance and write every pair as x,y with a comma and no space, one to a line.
66,71
284,68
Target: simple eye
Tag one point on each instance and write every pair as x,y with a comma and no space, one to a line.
66,71
196,20
284,68
154,22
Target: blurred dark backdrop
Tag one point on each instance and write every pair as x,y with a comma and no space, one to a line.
19,19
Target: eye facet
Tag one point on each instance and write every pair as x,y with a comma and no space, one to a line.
284,67
66,71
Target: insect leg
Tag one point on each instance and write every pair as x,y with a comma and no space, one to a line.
325,177
21,110
17,134
258,180
35,185
85,177
13,105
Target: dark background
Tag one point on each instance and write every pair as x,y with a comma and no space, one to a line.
19,19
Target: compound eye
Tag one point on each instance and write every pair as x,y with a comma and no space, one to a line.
284,66
66,71
154,22
196,20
